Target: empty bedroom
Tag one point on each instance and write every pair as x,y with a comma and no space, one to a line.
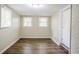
35,28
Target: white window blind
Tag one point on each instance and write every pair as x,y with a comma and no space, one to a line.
27,21
43,21
5,17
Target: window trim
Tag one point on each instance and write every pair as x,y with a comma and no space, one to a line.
10,21
43,22
26,22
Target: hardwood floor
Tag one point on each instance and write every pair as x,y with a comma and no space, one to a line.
35,46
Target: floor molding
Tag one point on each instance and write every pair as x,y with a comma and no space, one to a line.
53,39
65,48
36,37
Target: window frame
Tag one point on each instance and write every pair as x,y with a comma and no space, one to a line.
46,25
5,24
26,22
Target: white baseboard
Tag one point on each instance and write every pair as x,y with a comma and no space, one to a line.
9,46
53,39
36,37
67,48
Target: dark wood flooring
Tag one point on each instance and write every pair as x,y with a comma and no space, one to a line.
34,46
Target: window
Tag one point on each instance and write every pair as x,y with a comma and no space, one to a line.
5,17
43,21
27,21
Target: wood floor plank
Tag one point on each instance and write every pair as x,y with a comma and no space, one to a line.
35,46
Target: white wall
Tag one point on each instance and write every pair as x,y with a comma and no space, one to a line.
66,18
56,27
9,35
35,31
75,29
60,24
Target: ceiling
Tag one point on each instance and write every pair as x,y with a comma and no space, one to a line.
46,10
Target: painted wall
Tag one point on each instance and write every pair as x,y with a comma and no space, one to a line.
35,31
56,27
9,35
60,25
75,29
66,18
